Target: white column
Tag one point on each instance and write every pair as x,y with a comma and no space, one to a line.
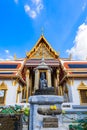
49,78
36,82
57,72
27,81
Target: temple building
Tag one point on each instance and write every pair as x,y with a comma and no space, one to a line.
19,79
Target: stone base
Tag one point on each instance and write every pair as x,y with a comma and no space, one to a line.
45,91
39,121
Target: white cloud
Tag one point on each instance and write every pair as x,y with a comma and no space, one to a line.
5,55
39,8
79,50
27,8
7,51
16,1
34,8
84,6
30,12
37,2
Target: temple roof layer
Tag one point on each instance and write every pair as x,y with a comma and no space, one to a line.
11,69
36,62
75,68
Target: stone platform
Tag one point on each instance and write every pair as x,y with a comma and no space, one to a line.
39,121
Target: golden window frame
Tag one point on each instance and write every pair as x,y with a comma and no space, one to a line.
3,87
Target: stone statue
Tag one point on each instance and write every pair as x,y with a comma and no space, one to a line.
43,81
44,89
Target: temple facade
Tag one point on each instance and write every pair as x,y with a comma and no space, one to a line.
19,79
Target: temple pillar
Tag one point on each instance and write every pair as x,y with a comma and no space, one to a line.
36,83
49,78
27,86
30,85
57,72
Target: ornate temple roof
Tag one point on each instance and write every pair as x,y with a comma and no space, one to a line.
42,49
11,69
75,68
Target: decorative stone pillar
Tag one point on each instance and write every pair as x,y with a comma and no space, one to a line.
27,85
36,82
49,77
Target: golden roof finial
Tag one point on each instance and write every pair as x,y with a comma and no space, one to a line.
42,31
15,57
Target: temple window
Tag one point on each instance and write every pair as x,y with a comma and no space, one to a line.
83,92
3,90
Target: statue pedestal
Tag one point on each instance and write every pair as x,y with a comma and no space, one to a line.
39,104
45,91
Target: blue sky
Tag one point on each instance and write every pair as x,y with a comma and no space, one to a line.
64,23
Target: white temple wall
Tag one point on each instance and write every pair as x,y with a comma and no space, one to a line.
73,90
11,94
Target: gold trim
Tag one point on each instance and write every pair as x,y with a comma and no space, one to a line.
17,97
73,81
3,86
17,93
48,46
82,86
19,89
15,57
14,82
24,92
69,82
76,75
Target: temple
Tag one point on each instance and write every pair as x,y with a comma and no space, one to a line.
20,78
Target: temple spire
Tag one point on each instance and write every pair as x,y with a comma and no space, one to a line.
42,31
15,57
